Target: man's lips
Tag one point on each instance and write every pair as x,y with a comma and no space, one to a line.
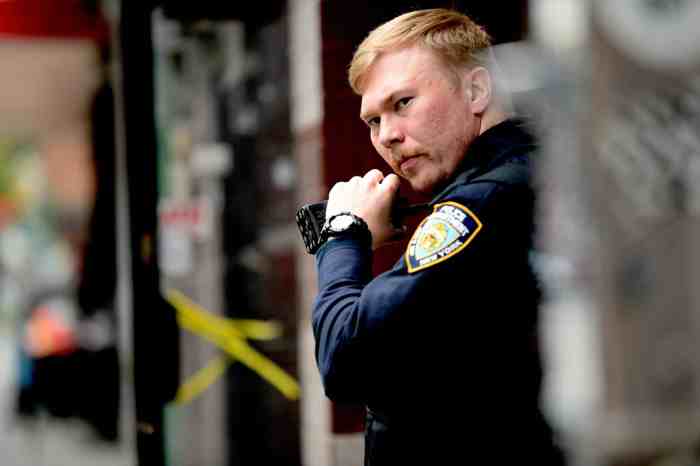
409,163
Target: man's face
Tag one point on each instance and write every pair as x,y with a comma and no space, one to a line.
420,115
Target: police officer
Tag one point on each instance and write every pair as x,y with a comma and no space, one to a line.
442,348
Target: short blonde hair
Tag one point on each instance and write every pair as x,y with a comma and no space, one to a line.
453,36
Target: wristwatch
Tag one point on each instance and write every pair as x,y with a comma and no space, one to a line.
346,224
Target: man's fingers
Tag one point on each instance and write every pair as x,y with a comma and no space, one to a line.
373,177
336,188
391,182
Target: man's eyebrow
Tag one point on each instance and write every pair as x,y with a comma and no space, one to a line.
364,115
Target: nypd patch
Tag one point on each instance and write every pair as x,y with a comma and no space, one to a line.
441,235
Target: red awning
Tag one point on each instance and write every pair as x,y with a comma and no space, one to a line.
68,19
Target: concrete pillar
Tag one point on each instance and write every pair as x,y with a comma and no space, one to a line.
306,119
191,263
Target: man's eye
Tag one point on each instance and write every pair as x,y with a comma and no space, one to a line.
402,103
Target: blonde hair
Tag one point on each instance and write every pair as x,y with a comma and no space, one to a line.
453,36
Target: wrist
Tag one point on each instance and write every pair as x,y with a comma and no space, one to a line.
346,225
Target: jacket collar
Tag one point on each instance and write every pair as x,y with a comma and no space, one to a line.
488,150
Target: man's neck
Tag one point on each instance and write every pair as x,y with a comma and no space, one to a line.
491,118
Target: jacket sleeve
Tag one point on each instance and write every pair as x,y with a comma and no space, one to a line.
357,320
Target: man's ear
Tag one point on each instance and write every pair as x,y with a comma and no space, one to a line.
479,91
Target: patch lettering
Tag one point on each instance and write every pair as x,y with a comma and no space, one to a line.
445,232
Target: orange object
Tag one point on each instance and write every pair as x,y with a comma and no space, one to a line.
47,334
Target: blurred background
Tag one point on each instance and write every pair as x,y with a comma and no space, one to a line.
154,290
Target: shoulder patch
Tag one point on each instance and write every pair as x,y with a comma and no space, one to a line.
444,233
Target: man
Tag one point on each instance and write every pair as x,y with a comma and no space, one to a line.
442,348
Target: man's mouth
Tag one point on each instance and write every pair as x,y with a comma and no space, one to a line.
408,164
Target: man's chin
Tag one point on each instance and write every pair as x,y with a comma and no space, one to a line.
428,186
421,186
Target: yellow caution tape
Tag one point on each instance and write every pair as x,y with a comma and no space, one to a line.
256,329
230,335
200,381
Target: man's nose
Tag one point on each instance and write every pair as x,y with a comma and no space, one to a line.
389,133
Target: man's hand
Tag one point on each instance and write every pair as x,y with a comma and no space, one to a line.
369,197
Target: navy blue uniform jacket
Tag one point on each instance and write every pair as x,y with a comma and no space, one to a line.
442,348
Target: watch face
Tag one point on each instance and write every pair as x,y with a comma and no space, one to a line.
341,222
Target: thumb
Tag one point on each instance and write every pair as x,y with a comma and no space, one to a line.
390,184
390,181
